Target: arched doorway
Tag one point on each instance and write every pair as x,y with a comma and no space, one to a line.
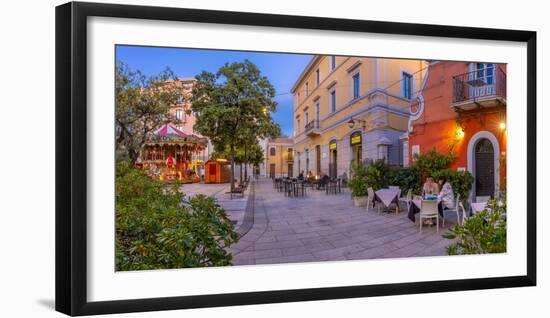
484,168
479,150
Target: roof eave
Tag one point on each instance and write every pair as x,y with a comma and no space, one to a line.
306,70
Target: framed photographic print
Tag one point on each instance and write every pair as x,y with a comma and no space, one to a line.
210,158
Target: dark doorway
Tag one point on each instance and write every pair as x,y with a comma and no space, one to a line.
290,168
318,160
272,170
485,168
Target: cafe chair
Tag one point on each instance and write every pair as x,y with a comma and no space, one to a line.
407,199
455,210
397,203
370,198
428,210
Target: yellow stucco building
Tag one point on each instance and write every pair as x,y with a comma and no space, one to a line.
279,157
352,109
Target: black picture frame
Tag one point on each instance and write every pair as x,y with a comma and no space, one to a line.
71,157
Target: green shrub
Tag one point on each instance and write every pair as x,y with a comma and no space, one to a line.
432,162
363,177
407,178
157,229
483,233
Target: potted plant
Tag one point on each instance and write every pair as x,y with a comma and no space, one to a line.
358,185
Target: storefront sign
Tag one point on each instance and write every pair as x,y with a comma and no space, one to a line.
332,145
355,139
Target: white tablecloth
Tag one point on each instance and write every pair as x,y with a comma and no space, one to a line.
387,196
418,201
478,206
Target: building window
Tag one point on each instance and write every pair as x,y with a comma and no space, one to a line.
179,114
307,118
298,98
272,151
406,85
307,162
333,101
356,86
317,113
486,72
307,89
332,62
298,129
317,77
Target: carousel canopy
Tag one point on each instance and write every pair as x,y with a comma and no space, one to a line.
169,133
168,129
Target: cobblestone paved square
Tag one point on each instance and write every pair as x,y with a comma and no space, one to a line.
321,227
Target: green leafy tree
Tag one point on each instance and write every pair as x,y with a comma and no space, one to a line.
483,233
157,229
233,107
142,105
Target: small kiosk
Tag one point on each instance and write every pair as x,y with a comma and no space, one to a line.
217,171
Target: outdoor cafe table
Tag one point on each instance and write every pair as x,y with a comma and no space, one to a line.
416,205
387,196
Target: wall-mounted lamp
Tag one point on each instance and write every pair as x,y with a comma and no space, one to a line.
502,125
459,132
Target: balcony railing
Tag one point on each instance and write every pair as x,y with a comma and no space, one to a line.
312,128
482,87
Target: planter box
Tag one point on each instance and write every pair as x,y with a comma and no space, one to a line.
360,201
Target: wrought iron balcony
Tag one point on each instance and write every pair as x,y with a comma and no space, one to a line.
312,128
480,88
290,158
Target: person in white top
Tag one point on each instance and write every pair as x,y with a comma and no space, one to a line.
446,195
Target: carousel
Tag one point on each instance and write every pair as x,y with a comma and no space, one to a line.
169,155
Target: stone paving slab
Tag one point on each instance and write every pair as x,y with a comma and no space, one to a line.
320,227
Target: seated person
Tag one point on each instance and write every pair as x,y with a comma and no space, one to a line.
446,196
430,187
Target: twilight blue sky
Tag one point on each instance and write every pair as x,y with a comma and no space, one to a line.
281,69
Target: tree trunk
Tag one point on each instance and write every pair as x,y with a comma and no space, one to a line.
241,173
245,163
133,154
232,160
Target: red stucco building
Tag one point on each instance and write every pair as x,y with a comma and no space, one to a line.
462,107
